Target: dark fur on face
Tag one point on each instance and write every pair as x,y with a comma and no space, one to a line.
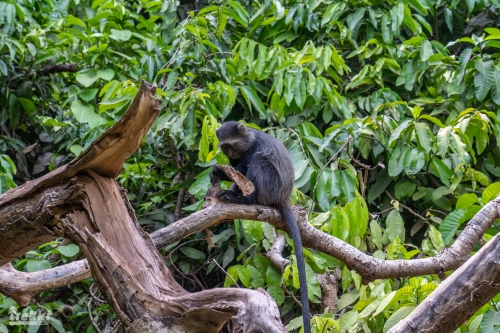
234,139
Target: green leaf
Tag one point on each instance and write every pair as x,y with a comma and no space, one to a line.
424,136
495,88
490,193
466,200
448,18
106,74
443,140
395,226
490,321
252,99
87,78
376,233
69,250
193,253
396,135
88,94
3,68
256,278
347,299
413,162
449,226
397,316
85,114
484,78
426,50
273,279
27,104
348,185
382,182
463,61
57,325
121,35
243,275
35,265
404,189
353,19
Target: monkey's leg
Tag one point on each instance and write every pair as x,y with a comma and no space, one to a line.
235,197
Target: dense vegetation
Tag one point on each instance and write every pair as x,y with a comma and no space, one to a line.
412,87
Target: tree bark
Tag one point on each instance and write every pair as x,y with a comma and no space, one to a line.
82,201
458,297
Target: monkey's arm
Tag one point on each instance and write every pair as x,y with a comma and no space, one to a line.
216,175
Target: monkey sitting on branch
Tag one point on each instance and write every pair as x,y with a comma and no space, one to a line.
265,162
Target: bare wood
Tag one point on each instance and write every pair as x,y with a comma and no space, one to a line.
368,267
25,224
459,296
329,288
274,253
21,286
106,155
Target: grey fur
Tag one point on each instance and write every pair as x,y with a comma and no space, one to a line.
266,163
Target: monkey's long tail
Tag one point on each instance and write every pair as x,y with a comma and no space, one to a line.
291,222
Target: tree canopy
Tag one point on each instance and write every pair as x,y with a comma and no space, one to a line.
389,109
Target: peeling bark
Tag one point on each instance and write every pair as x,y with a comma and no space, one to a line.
82,201
458,297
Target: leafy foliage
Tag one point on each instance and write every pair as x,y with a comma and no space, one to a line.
383,106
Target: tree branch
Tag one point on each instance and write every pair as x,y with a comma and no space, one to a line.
58,69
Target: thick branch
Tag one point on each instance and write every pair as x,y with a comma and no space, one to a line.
459,296
274,253
27,223
59,69
21,287
370,268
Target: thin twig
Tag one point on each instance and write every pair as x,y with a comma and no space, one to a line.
358,163
349,137
94,296
178,205
289,293
222,269
92,318
408,208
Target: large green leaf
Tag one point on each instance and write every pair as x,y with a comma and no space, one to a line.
484,78
252,98
424,136
495,88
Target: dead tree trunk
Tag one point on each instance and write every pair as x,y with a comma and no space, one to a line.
82,201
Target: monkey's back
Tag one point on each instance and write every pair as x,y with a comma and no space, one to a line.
270,168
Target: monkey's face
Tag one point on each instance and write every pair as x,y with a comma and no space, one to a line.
229,150
234,139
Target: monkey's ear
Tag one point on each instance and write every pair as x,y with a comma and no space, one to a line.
242,128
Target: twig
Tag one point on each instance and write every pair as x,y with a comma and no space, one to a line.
174,155
349,137
289,293
178,206
408,208
222,269
358,163
94,296
92,318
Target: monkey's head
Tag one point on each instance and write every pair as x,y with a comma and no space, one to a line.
234,139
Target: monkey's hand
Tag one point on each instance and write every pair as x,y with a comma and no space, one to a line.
230,196
216,175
